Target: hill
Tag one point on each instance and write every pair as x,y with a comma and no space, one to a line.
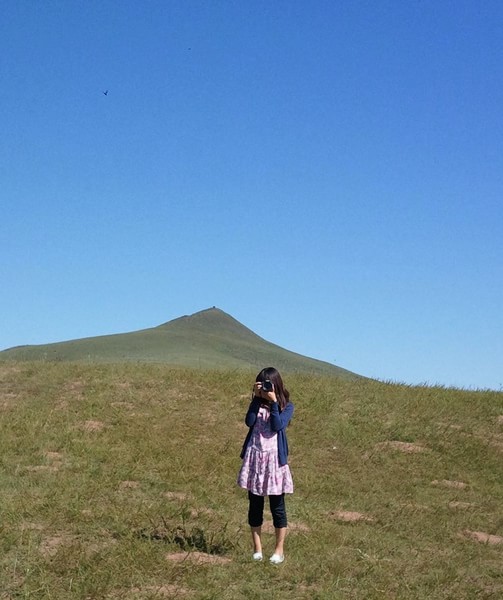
208,339
118,482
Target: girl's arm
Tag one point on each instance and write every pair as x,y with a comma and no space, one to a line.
251,415
279,420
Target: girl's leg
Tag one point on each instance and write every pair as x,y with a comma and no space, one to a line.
280,540
256,539
255,520
278,510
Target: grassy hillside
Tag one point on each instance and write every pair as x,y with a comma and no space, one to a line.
207,339
118,482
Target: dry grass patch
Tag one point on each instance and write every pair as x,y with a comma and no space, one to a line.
51,545
129,485
176,495
198,558
54,456
162,591
54,468
92,426
447,483
121,404
74,389
105,542
195,513
456,505
406,447
7,370
29,526
293,527
482,537
350,516
168,590
55,460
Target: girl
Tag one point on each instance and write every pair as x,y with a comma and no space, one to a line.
265,470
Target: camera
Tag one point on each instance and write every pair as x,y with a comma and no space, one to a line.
267,386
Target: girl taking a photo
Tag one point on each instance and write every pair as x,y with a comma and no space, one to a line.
265,470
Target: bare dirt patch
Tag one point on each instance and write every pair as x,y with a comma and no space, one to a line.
455,505
499,419
176,495
55,460
198,558
50,546
54,468
139,415
482,537
447,483
129,485
93,426
167,590
74,388
350,516
268,527
105,543
54,456
8,400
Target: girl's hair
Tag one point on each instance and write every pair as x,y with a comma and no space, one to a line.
274,377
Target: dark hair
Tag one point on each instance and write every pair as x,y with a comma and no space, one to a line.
281,392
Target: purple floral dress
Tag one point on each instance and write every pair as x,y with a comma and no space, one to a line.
261,473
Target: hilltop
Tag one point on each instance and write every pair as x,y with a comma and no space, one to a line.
208,339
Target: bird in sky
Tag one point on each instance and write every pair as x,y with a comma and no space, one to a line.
105,92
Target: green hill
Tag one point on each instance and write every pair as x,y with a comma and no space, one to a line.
118,482
208,339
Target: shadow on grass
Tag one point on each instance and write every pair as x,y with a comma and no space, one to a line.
196,538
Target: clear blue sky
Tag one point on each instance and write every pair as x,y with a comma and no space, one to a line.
328,172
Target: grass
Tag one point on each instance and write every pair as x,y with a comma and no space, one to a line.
109,472
207,339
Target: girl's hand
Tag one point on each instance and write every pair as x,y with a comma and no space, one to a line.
271,396
259,392
257,389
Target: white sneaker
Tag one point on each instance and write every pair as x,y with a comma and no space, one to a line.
257,556
276,559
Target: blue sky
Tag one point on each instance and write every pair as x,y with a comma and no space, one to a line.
328,172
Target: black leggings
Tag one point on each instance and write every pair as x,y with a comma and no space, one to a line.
256,510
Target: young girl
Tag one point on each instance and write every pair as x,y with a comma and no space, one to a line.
265,470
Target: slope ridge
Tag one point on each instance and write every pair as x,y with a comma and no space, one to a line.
210,338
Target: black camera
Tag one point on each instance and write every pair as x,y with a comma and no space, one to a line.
267,386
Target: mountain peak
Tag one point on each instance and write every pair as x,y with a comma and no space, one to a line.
209,338
206,314
209,321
